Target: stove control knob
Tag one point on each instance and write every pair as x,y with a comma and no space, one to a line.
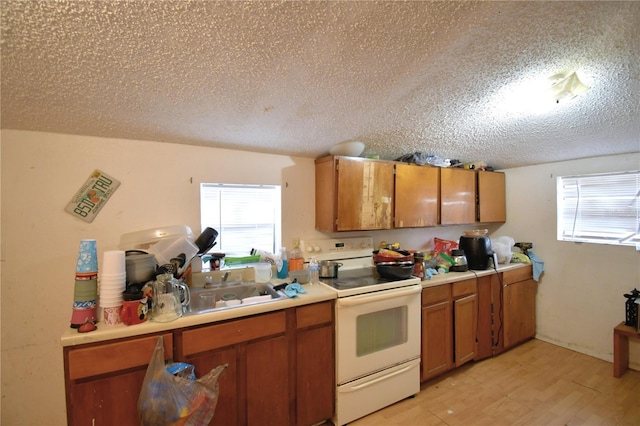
316,249
364,245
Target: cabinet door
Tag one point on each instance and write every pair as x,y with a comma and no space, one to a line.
436,339
231,395
103,381
492,203
519,312
365,194
457,196
267,381
255,388
107,401
484,347
325,194
464,323
315,384
417,195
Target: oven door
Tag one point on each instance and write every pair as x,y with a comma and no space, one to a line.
376,330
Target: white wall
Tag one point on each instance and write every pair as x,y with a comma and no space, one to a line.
160,186
580,296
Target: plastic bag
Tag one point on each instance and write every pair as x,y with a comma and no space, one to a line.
167,399
443,246
502,246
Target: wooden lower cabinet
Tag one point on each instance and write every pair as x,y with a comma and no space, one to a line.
437,347
519,305
280,369
449,315
256,350
103,380
464,321
476,318
490,317
315,363
465,314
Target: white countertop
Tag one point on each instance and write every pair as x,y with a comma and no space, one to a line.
314,293
459,276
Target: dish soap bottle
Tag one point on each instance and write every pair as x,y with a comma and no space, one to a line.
296,261
282,266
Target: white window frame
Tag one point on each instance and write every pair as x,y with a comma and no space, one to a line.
245,216
599,208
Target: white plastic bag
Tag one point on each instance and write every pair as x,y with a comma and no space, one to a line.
502,246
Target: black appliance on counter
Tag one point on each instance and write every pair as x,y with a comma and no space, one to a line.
478,251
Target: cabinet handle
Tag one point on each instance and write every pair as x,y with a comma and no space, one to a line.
380,379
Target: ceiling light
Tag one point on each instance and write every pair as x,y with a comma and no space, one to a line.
535,94
565,88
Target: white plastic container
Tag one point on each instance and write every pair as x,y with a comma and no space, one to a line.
145,238
168,248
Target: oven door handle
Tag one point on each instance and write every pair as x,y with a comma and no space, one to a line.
413,364
379,295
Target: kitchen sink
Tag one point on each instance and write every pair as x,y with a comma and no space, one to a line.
230,296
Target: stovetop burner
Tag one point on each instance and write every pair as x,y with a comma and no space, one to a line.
364,280
353,278
357,275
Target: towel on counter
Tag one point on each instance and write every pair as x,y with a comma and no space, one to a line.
538,265
430,272
293,289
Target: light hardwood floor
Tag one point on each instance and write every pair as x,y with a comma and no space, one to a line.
536,383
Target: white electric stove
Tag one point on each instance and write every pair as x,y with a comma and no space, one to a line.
377,329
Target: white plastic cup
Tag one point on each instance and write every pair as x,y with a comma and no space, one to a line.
113,262
112,285
263,272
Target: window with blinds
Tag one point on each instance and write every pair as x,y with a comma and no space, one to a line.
245,216
600,208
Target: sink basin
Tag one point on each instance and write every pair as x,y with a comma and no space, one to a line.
231,296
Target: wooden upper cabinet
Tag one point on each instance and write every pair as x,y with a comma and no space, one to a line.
353,194
492,203
417,196
457,196
357,194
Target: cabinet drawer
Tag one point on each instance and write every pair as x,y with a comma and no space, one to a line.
220,335
112,357
318,313
431,295
517,275
463,288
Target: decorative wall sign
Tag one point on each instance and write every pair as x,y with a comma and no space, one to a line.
92,196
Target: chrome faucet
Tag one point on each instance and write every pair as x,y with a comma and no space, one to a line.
225,277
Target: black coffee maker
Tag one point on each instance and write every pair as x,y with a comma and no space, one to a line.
478,251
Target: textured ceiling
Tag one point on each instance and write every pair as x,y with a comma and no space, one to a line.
298,77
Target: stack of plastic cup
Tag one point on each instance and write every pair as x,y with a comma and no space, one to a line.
86,284
112,284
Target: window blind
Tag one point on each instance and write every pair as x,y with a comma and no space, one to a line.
246,216
599,208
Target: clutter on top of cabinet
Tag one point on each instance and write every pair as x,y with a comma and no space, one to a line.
349,148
